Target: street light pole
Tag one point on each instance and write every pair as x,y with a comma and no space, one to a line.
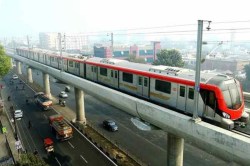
197,72
60,49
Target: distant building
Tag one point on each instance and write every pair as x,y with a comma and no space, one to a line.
102,52
224,64
73,42
48,40
122,52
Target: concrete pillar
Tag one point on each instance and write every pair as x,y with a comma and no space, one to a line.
46,84
175,150
29,74
11,63
80,110
18,65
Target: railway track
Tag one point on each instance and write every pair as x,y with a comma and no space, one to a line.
241,133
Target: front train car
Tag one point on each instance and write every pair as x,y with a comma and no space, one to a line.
230,99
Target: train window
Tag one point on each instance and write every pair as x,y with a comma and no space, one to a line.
70,63
103,71
139,80
211,99
227,98
182,91
127,77
115,74
112,74
191,93
163,86
92,68
145,82
77,65
95,69
52,59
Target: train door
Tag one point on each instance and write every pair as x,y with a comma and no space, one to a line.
142,86
94,72
182,97
114,78
210,103
190,99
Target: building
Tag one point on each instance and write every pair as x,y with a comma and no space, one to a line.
48,40
232,65
70,42
102,52
148,52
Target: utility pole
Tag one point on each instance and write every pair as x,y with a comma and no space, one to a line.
197,72
64,40
60,49
28,42
195,117
112,44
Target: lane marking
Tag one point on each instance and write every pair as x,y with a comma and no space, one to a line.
84,159
45,116
58,161
71,145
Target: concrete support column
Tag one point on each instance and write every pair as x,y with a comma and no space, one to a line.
80,110
175,150
18,65
46,84
11,63
29,74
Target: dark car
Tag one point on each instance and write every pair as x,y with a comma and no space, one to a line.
110,125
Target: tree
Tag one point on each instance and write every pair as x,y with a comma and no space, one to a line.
247,70
132,58
29,159
4,62
169,58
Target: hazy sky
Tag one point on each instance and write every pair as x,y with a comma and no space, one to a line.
28,17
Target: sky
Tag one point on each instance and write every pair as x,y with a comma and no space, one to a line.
29,17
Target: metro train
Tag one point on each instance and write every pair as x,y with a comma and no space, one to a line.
220,98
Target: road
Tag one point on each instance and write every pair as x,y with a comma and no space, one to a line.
148,146
76,151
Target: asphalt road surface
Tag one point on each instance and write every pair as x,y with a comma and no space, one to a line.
76,151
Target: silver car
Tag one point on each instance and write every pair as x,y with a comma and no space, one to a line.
18,114
63,94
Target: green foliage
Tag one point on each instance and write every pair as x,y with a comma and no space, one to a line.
132,58
29,159
4,62
169,58
247,70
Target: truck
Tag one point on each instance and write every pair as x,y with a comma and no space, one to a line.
60,127
42,100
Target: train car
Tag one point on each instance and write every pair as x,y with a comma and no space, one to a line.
103,74
174,87
220,98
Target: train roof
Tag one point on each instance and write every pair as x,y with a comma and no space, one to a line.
210,77
177,72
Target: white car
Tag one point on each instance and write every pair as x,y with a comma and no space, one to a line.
18,114
63,94
14,77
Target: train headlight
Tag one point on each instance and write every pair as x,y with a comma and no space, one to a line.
225,115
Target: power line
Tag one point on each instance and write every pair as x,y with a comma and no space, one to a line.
229,22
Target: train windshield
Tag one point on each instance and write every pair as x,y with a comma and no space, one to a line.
232,95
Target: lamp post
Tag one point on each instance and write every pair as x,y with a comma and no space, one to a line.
195,117
112,43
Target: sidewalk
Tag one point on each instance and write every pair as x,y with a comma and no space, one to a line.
7,140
